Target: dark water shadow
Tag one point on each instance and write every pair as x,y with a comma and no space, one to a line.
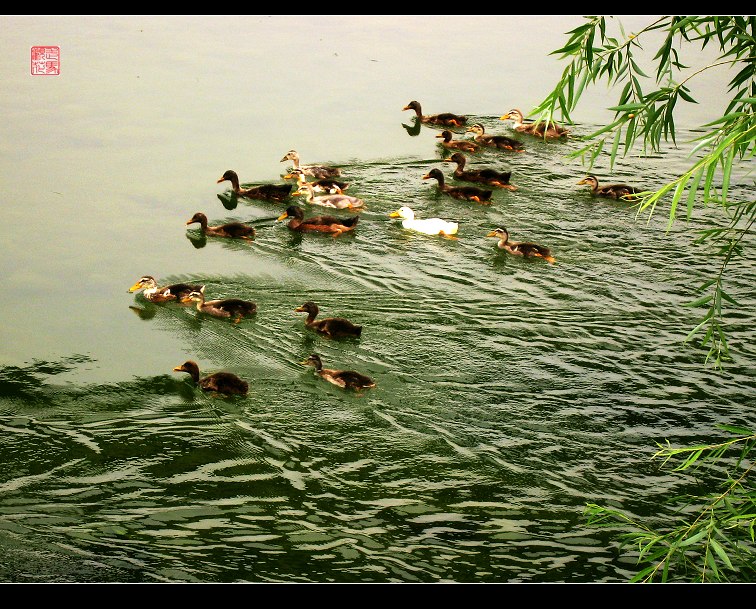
414,128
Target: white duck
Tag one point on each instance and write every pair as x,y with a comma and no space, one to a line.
338,200
428,226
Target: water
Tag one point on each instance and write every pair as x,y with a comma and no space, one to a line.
509,394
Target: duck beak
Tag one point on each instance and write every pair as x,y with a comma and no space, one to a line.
582,181
300,310
190,222
406,108
283,159
394,214
179,369
448,160
221,180
426,177
492,234
136,286
505,117
289,176
283,216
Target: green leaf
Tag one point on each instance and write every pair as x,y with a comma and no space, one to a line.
693,538
721,553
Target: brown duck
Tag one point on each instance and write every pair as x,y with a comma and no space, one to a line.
232,230
464,193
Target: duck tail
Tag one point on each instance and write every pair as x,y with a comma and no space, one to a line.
351,222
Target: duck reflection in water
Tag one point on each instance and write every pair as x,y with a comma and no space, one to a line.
413,129
229,201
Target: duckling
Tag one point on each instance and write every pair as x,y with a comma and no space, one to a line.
346,379
612,191
495,141
227,307
465,193
167,293
428,226
218,382
317,224
316,171
330,186
445,118
539,129
333,327
233,230
465,145
528,250
265,192
485,175
338,201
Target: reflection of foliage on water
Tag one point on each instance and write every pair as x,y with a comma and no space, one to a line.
27,381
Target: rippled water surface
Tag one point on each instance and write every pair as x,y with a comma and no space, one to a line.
510,392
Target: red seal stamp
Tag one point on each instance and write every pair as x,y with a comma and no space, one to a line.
45,61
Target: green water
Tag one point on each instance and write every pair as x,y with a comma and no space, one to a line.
510,392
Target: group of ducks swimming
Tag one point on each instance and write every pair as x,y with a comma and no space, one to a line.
325,179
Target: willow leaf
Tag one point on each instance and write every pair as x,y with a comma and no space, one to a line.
721,553
693,190
693,539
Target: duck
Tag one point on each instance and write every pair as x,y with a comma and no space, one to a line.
494,141
539,129
168,293
227,307
218,382
428,226
484,176
346,379
448,142
337,201
233,230
266,192
446,119
328,185
612,191
317,224
528,250
465,193
333,327
320,172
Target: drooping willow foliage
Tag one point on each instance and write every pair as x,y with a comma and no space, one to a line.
645,115
713,538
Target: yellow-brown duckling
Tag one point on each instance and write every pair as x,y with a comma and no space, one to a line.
329,186
464,193
527,250
539,129
612,191
485,175
168,293
265,192
337,200
502,142
320,172
448,142
333,327
224,308
232,230
346,379
226,383
317,224
446,119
